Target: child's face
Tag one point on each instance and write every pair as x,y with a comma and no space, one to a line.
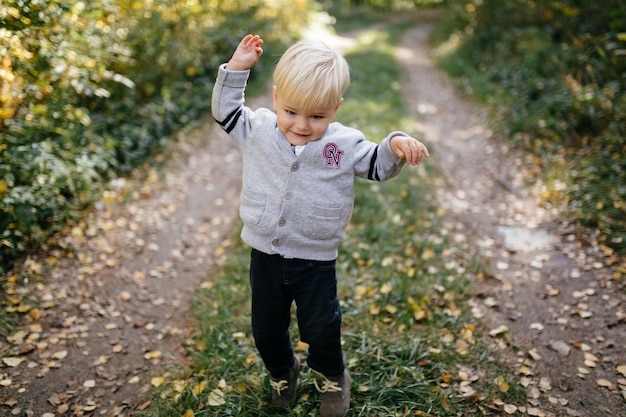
299,125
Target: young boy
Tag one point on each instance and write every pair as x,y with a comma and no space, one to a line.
297,198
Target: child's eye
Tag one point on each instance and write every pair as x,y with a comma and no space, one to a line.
317,117
291,113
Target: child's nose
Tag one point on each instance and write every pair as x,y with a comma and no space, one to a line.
302,123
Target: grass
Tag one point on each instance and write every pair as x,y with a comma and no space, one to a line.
411,342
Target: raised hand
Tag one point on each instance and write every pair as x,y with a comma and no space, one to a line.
247,53
409,149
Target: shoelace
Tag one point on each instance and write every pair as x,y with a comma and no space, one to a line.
279,386
327,385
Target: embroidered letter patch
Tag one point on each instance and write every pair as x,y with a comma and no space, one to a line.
333,155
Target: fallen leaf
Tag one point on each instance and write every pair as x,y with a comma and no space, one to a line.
59,355
385,289
532,411
621,369
561,347
152,355
198,389
604,383
216,398
12,362
534,354
499,331
157,381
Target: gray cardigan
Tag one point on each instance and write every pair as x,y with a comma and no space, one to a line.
297,207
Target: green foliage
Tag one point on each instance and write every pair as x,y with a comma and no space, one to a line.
554,73
90,90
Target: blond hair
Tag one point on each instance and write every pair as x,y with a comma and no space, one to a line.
311,75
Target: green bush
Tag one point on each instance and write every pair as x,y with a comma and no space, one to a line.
90,90
554,73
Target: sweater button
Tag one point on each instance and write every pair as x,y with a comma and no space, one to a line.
275,242
288,195
282,221
294,166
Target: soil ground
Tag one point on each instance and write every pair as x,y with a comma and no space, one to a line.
114,315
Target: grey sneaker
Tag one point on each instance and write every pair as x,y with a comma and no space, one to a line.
284,390
336,395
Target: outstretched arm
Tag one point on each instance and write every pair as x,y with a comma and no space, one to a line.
247,53
409,149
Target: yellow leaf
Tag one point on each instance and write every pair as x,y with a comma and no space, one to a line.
301,346
153,355
35,313
621,369
157,381
374,309
201,345
198,389
386,289
427,254
188,413
179,385
134,380
391,309
23,308
604,383
447,338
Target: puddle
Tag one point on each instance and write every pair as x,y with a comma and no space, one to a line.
526,240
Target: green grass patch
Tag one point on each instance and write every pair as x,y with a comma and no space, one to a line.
411,343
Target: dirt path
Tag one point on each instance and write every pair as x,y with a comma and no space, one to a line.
565,314
115,316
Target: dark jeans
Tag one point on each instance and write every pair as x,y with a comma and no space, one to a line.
276,283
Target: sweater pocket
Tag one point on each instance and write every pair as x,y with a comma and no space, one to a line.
322,222
252,206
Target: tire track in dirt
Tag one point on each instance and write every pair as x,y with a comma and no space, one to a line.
556,296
